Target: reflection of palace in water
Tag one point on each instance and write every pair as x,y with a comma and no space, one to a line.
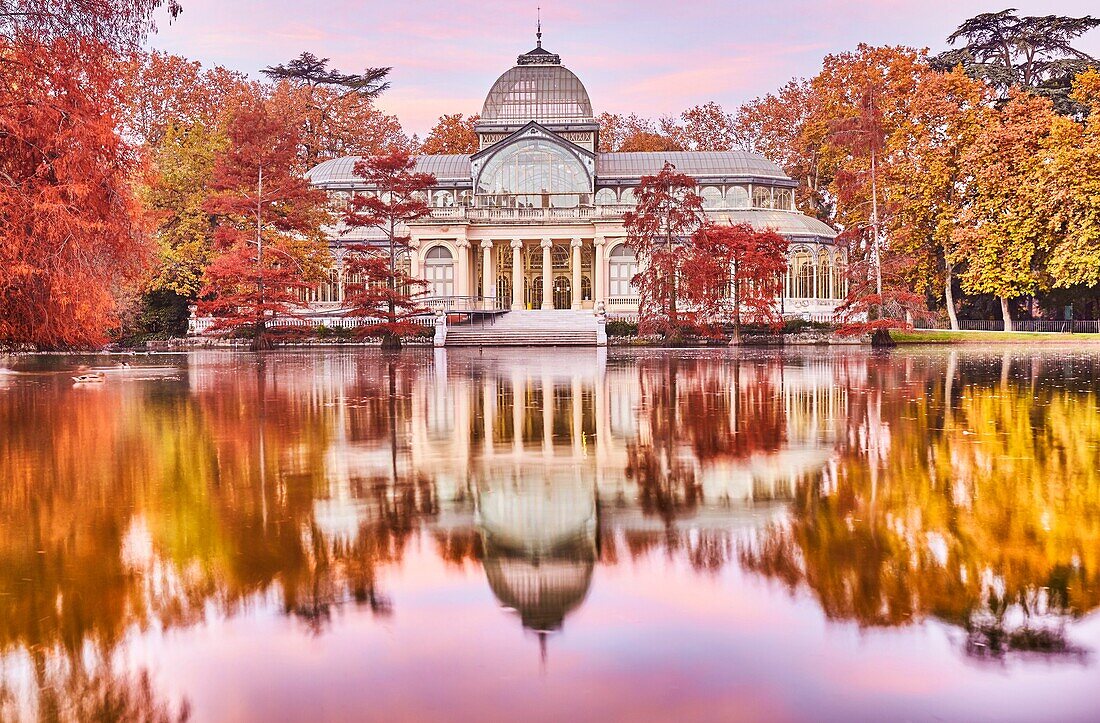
550,459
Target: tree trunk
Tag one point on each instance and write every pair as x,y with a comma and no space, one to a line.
736,315
949,297
881,339
1006,314
391,341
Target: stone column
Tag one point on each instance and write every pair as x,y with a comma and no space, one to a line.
517,275
575,244
547,275
462,270
488,285
599,273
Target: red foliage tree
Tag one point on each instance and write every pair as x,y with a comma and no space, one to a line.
668,212
875,304
268,237
734,272
72,244
383,289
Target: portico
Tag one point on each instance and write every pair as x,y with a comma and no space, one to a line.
561,270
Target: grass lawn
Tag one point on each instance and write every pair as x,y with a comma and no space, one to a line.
987,337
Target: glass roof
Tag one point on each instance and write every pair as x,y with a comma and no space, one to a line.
727,164
787,223
544,93
451,167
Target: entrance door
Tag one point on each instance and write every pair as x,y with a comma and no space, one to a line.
563,292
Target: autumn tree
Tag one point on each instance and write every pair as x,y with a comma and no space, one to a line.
775,126
1004,226
1032,52
159,90
1070,179
383,289
177,195
72,247
646,142
707,127
735,271
927,179
112,25
335,111
452,134
268,238
623,133
668,212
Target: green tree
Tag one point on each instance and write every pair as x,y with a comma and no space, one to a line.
1033,52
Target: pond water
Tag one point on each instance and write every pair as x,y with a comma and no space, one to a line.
551,534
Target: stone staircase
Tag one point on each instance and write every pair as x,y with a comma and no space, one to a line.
556,327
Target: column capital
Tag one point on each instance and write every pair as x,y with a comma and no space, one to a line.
576,243
516,243
600,240
546,243
414,243
487,243
462,243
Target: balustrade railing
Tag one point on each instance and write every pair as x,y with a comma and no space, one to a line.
525,215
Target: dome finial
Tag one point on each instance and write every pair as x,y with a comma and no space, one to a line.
538,32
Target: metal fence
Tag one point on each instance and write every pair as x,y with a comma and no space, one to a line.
1081,326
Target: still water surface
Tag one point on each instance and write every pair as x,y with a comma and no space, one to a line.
551,534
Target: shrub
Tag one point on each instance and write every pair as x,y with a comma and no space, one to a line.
619,327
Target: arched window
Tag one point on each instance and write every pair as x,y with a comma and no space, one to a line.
443,199
465,198
439,271
622,266
504,291
737,197
784,199
605,197
825,286
712,197
801,274
586,288
559,256
627,196
761,197
535,173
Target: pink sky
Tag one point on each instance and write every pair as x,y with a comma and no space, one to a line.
642,56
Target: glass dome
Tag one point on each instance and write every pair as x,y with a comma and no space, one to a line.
544,93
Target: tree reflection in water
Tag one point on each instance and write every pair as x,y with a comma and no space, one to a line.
963,488
971,495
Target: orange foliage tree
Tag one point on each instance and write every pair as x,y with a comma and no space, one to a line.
268,236
383,288
159,90
334,111
452,134
668,212
72,243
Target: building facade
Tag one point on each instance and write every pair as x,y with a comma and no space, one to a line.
534,218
